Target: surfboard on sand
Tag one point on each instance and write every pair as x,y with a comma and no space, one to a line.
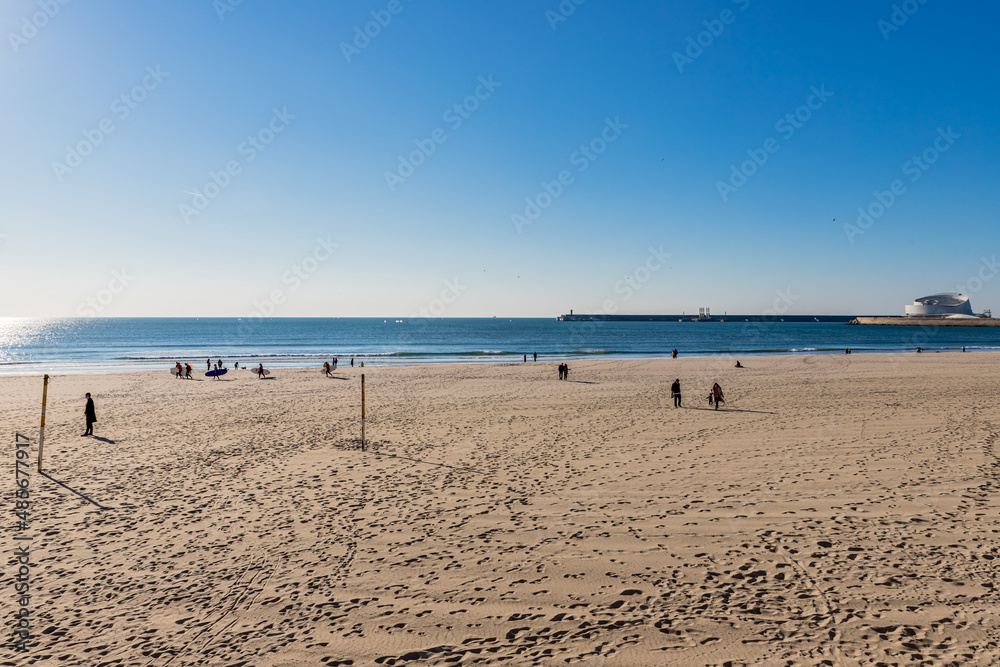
212,374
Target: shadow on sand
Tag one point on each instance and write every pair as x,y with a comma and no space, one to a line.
45,474
760,412
430,463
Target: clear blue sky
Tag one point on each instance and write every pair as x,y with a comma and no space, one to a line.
200,77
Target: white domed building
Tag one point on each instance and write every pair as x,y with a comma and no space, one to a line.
946,304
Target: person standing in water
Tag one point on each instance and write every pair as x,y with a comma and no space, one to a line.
675,389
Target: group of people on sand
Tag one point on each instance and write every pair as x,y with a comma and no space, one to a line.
715,395
184,370
563,371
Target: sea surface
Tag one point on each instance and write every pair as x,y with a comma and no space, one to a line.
105,344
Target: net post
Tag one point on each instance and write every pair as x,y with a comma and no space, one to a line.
41,428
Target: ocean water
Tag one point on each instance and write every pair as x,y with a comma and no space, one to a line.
98,344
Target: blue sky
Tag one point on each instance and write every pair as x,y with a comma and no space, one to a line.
643,109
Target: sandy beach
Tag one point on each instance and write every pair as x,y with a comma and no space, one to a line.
839,510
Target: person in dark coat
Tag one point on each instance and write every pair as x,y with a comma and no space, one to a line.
675,390
91,416
717,396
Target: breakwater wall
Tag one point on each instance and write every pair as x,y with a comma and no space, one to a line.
928,321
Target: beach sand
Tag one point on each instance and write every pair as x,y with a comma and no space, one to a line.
839,510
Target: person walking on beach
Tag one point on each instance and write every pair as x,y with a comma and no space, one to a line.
525,358
90,415
717,395
335,363
260,371
216,369
565,371
534,357
208,365
562,369
675,389
673,354
187,370
352,362
178,368
326,368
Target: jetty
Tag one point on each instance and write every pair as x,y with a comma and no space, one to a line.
687,317
905,321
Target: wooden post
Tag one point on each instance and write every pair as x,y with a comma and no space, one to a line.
41,429
362,412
